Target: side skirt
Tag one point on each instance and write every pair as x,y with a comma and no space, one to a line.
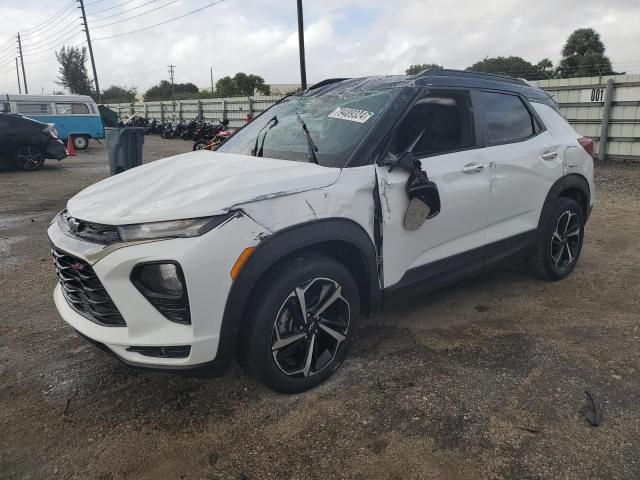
452,269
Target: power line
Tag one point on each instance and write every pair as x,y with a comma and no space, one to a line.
46,22
122,13
135,16
51,59
110,8
54,36
53,26
91,3
161,23
4,72
7,56
61,43
7,43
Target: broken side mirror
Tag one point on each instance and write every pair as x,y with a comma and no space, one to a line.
424,200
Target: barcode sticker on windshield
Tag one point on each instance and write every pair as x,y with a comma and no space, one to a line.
351,114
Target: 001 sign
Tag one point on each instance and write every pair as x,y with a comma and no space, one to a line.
597,94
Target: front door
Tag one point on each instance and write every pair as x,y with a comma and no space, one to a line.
440,125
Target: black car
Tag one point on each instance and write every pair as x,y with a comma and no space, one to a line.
26,143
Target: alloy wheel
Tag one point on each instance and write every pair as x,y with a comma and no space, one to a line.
565,241
309,328
29,158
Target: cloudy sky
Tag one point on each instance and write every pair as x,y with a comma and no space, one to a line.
343,37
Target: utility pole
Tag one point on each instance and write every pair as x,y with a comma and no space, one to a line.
24,76
171,70
18,75
93,62
303,68
212,81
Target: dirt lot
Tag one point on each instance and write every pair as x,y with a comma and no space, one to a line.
484,379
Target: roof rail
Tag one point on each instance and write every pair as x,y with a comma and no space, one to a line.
470,74
327,81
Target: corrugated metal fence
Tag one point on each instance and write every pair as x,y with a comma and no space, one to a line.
588,103
210,109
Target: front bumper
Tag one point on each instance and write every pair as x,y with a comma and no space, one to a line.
56,150
206,262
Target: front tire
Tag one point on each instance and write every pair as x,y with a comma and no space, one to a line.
28,158
301,323
560,240
80,142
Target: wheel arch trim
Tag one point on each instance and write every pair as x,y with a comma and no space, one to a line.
280,245
567,182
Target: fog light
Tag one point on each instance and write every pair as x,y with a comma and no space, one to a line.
162,283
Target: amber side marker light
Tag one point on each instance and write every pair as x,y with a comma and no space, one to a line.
242,258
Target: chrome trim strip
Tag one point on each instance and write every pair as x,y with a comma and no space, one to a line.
89,252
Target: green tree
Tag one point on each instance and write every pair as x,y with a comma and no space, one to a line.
584,55
118,94
73,70
240,85
162,91
511,66
421,67
225,87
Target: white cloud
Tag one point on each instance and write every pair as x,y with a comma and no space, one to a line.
261,37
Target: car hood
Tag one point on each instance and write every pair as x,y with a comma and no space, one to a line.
195,184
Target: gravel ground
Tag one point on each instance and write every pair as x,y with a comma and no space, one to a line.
483,379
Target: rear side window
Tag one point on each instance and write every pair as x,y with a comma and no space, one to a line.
71,109
34,108
506,117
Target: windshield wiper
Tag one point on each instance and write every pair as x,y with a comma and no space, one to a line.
258,153
312,146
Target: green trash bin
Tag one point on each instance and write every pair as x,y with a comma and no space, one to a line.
124,147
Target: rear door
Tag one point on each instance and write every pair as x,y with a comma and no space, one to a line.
447,151
524,161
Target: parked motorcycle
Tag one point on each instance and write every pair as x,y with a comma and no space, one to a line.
221,133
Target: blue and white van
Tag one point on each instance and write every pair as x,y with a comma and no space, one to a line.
73,115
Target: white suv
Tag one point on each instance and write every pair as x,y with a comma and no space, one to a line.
316,212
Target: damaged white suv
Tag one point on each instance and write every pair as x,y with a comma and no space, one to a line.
319,210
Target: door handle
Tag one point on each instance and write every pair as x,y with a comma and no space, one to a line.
472,168
549,155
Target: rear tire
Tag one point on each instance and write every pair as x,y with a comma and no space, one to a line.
28,158
291,352
559,240
80,142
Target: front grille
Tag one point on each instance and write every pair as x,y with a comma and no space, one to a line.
91,232
84,291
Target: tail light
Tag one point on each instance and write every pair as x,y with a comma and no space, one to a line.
587,144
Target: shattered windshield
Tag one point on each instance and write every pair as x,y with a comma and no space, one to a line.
335,125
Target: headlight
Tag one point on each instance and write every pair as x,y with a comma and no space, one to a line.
193,227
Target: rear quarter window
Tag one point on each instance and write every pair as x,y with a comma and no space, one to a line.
506,118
